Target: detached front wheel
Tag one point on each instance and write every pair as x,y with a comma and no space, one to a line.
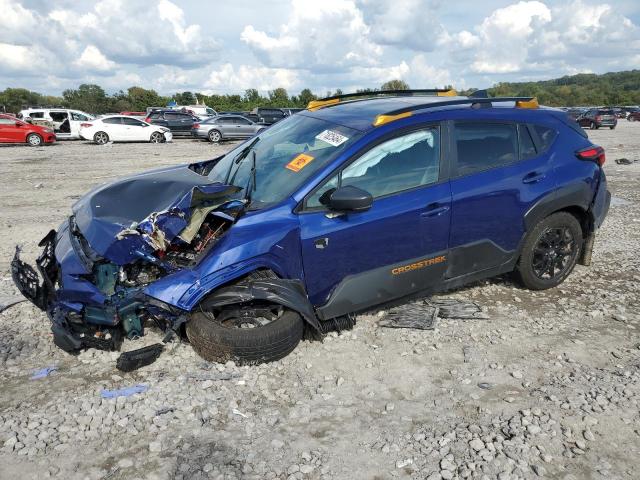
248,335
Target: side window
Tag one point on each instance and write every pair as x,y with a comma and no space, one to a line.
482,146
7,121
527,148
36,114
241,121
223,121
398,164
132,121
170,116
547,136
112,121
79,116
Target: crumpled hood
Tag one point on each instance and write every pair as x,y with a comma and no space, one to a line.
109,209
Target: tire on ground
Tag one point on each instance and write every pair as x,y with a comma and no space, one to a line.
524,269
245,346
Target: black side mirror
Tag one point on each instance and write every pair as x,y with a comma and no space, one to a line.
350,199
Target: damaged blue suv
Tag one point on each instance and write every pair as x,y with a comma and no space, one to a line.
361,201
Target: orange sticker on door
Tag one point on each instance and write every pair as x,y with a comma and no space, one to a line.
299,162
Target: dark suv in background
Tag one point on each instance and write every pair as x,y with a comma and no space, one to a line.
268,115
598,117
179,123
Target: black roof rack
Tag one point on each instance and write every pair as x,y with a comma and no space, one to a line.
480,102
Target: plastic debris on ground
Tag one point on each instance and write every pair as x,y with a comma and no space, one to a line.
124,392
624,161
43,372
423,314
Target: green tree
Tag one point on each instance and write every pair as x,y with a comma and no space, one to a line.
141,98
395,85
279,97
88,97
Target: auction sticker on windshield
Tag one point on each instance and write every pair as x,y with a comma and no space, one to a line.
299,162
332,137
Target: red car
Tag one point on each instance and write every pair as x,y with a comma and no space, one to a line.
13,130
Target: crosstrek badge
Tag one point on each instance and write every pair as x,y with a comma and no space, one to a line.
299,162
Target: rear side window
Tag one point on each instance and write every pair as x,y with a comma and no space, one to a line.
112,121
482,146
132,121
547,136
154,116
527,148
36,114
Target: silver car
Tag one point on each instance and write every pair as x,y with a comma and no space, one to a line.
224,127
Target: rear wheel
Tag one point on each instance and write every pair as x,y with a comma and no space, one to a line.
550,251
214,136
100,138
248,335
157,137
34,139
612,127
592,126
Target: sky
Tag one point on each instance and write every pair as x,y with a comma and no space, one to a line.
228,46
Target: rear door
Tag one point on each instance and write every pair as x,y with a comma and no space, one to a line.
173,121
244,128
497,176
115,129
399,246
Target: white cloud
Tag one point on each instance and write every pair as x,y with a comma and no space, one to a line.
94,60
228,77
326,36
18,60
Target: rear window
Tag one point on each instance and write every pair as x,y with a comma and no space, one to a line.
547,136
482,146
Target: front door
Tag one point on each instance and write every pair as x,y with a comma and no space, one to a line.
356,260
10,132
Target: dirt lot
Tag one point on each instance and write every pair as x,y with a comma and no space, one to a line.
548,386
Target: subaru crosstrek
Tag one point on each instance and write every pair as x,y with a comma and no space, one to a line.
358,202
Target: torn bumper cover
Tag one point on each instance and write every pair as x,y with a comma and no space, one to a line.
28,281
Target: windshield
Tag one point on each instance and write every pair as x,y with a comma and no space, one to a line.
284,156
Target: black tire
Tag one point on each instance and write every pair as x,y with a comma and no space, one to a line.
34,140
592,126
530,256
612,127
101,138
157,137
245,346
214,136
631,119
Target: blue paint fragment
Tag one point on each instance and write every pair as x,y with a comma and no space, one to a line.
43,372
124,392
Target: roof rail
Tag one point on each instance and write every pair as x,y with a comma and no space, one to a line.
521,102
332,100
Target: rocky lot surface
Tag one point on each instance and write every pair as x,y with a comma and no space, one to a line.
548,386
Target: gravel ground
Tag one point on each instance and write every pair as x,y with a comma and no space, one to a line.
548,386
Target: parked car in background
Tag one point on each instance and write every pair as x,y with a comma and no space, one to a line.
598,117
179,123
64,122
201,111
633,116
138,115
226,127
291,111
122,128
14,130
269,115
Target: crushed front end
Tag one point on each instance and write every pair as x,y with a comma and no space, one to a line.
91,275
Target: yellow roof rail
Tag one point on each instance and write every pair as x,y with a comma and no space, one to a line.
533,103
384,119
318,104
448,93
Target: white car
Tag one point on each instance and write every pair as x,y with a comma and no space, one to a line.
122,128
65,122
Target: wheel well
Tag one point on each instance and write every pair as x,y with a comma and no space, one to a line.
581,215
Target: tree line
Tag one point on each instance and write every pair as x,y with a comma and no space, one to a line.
619,88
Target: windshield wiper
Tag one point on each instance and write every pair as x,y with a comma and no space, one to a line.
238,159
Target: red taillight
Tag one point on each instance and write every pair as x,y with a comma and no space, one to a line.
593,154
148,119
86,125
598,118
195,125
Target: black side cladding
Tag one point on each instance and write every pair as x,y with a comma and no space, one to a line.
130,361
288,293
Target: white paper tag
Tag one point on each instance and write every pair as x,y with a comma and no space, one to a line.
332,138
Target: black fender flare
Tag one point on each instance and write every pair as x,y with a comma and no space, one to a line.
576,195
288,293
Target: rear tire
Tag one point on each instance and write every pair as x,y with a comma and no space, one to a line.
101,138
34,140
592,126
544,264
612,127
214,136
216,342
